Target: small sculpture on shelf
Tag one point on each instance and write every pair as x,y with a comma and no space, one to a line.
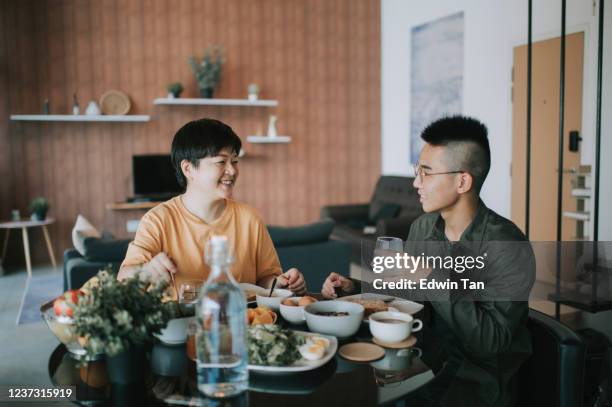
272,133
253,91
174,90
45,108
75,105
208,71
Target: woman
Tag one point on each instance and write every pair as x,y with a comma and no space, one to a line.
171,237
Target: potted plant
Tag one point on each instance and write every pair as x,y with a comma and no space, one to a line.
118,318
39,208
208,71
175,89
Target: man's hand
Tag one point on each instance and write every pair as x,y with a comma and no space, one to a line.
333,281
292,279
159,268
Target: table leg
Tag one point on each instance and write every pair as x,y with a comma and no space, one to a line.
6,239
26,250
49,246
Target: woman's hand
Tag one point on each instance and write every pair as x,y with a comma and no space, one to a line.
333,281
159,268
293,279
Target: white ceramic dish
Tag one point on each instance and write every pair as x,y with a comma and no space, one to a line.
301,365
273,302
397,331
295,314
175,332
397,304
254,288
340,326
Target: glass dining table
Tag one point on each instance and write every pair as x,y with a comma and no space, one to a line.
171,378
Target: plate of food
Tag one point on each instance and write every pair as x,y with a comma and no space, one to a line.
275,350
373,302
251,291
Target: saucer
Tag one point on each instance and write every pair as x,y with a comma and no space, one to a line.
361,352
406,343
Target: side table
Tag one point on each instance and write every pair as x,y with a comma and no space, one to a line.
24,225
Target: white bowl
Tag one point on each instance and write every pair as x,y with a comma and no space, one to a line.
273,302
340,326
393,331
293,314
176,331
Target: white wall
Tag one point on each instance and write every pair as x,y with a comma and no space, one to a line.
605,199
492,30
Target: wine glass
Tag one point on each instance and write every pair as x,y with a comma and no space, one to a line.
389,244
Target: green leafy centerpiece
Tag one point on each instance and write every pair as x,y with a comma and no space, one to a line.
118,318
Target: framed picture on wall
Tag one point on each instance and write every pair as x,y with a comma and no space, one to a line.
436,75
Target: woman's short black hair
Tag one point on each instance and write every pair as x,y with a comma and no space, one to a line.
199,139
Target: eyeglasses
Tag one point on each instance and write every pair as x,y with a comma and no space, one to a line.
420,172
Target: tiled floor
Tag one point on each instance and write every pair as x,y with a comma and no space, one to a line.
24,349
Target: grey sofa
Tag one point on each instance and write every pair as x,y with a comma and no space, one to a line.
392,209
307,247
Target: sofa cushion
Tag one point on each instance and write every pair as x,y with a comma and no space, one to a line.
385,210
83,229
297,235
105,250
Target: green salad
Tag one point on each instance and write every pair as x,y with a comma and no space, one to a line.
269,345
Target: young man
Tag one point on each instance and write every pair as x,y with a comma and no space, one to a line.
172,236
485,339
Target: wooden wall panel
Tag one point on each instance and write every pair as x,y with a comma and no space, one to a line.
319,58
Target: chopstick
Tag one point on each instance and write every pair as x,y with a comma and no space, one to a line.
272,288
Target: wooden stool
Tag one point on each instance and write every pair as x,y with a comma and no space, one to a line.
24,225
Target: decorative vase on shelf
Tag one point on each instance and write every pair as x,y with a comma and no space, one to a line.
207,93
272,133
92,109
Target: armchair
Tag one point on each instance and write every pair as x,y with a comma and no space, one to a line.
392,209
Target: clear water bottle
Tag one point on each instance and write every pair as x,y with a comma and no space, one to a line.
221,338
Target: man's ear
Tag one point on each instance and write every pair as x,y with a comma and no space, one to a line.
466,183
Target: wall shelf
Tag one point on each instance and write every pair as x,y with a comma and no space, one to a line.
129,206
268,140
79,118
213,102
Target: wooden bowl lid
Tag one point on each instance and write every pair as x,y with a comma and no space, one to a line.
115,102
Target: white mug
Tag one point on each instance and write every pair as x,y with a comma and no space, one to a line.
391,326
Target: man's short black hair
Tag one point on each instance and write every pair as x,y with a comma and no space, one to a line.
199,139
467,142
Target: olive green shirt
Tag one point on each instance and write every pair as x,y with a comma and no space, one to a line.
485,337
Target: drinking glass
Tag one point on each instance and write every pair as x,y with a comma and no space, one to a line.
188,291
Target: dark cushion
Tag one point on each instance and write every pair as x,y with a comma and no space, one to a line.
296,235
397,190
106,250
386,210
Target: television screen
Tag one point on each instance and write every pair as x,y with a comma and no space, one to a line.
154,175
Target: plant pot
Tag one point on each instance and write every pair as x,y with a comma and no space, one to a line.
127,367
40,215
207,93
94,374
